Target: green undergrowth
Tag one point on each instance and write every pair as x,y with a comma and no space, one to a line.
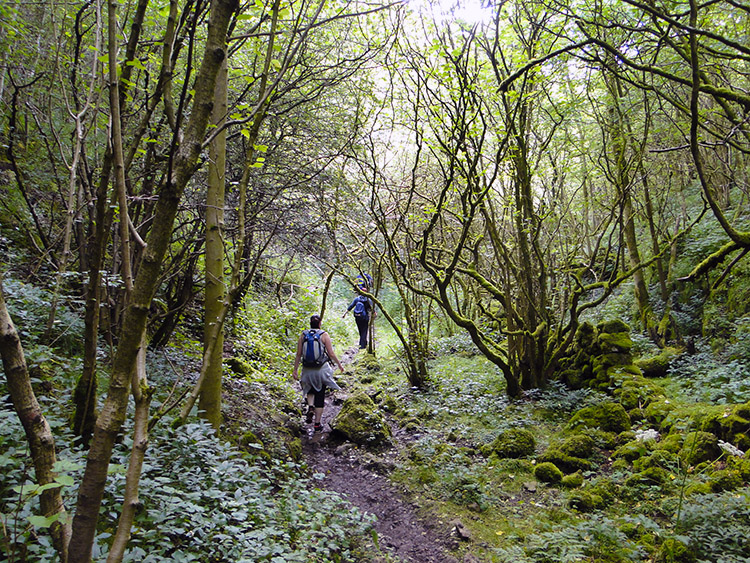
201,500
640,481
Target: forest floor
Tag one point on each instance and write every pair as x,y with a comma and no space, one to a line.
402,530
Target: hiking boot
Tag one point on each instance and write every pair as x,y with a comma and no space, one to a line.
318,427
310,414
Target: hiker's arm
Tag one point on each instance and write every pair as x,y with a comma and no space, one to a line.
325,339
349,308
297,358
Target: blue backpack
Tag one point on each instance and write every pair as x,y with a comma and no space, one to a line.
313,350
360,309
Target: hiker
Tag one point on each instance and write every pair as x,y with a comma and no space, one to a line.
364,281
315,351
362,306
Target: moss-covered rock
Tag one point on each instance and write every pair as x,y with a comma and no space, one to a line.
578,445
649,476
514,443
635,391
698,489
568,463
547,472
606,488
741,465
390,404
360,421
617,342
585,501
631,451
613,326
700,447
673,550
726,423
239,366
725,480
659,458
657,411
620,465
672,442
572,481
657,366
610,417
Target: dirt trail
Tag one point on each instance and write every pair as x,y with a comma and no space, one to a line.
365,484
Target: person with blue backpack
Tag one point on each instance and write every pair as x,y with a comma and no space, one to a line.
363,310
315,352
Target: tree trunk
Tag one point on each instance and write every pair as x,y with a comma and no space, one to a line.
209,404
38,433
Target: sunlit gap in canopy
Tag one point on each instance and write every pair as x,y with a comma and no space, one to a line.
469,11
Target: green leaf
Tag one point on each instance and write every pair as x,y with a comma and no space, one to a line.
42,521
65,480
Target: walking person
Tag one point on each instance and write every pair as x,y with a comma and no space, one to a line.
363,310
315,352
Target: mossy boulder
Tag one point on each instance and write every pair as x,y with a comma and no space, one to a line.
657,412
578,445
567,463
741,465
659,458
360,421
513,443
606,488
728,424
547,472
239,366
698,489
617,342
572,481
585,501
613,326
672,442
673,550
649,476
390,404
635,391
631,451
611,417
725,480
700,447
586,338
657,366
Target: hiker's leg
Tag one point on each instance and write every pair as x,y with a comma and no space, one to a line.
363,325
310,398
320,401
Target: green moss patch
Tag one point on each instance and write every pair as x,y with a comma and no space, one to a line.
360,421
610,417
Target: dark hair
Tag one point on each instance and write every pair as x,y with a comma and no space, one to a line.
315,321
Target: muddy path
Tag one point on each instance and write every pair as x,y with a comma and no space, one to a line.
364,482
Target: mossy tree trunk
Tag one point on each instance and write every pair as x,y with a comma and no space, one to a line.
209,404
38,432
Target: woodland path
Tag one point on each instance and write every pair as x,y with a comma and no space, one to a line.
401,530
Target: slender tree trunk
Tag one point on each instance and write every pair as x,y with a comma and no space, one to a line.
209,404
142,396
38,433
